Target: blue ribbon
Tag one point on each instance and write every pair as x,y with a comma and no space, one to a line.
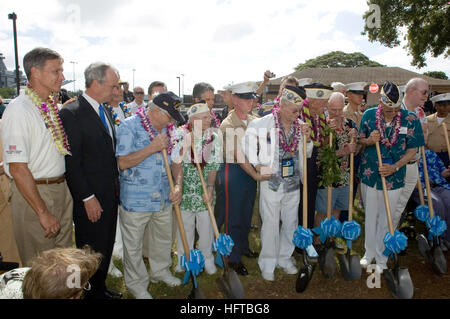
422,213
436,227
395,243
194,265
350,231
328,228
303,237
223,245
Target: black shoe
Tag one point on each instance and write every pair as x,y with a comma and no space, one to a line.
239,268
112,294
251,254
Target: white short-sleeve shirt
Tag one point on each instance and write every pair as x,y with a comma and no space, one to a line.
26,139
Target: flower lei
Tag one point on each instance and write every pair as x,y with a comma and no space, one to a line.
50,114
205,141
388,142
115,116
319,124
216,119
293,145
148,127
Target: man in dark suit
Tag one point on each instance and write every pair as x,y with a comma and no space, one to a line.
91,171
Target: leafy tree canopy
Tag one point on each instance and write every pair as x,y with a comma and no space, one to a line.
437,75
338,59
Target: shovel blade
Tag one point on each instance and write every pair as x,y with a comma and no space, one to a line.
424,247
196,293
304,277
233,281
327,262
350,266
399,283
439,263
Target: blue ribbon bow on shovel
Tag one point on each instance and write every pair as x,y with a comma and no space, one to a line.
422,213
223,245
394,243
328,228
350,231
436,227
194,265
303,237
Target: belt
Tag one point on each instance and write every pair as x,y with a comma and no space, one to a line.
412,162
48,181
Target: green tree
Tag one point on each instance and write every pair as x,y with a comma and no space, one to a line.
338,59
7,92
437,75
427,26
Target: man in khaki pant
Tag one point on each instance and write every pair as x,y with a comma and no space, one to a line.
34,146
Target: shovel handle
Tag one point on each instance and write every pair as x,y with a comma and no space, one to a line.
386,198
177,208
330,187
427,181
444,127
419,188
305,185
350,183
205,190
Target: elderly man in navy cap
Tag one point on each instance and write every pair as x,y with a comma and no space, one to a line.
399,134
145,196
312,113
279,139
237,178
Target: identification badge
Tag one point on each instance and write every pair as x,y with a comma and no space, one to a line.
287,168
403,130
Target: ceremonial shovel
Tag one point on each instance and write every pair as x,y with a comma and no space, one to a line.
349,264
307,269
398,279
434,253
229,283
327,263
196,292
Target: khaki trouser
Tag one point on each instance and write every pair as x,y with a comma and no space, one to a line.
29,234
8,247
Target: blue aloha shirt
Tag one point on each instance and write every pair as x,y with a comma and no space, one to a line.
435,168
411,136
144,187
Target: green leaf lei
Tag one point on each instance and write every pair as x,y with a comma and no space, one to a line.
328,161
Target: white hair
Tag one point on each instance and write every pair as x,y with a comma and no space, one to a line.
337,86
338,97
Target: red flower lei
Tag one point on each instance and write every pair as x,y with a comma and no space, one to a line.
396,122
148,127
216,119
293,145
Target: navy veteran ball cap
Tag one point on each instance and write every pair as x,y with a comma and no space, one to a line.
170,102
294,94
390,95
318,91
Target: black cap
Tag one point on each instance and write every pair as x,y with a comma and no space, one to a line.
170,102
390,95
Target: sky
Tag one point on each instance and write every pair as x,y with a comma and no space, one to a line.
215,41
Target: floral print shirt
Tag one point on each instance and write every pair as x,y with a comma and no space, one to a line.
192,187
410,136
342,138
435,167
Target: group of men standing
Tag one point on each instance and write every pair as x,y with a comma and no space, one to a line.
96,159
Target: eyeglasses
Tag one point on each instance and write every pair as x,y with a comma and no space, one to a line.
138,92
423,92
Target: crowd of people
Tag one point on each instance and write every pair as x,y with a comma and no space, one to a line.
95,166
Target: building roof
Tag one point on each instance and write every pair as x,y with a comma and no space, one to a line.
377,75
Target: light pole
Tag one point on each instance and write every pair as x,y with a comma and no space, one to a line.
73,62
13,16
179,92
182,88
133,77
